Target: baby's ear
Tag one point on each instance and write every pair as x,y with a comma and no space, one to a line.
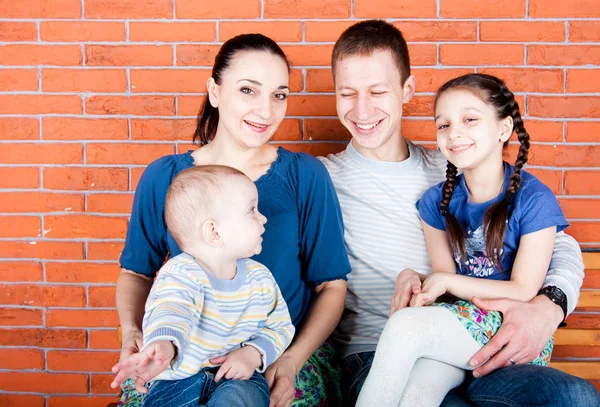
210,233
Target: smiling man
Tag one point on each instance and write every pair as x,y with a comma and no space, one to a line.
379,178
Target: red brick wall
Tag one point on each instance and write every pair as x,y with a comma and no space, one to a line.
93,90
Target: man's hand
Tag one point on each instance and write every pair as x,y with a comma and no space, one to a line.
525,331
239,364
407,284
281,376
144,366
433,287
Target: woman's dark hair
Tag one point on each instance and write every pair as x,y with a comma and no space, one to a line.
208,118
494,92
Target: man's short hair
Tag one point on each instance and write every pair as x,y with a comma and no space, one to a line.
192,198
369,36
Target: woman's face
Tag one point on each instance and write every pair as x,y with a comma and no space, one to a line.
252,97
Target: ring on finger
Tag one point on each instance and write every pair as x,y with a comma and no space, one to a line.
512,361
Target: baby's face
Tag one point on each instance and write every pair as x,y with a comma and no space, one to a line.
241,225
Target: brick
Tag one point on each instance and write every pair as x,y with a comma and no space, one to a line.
419,130
311,55
131,105
289,31
592,278
73,178
583,80
81,361
325,31
20,271
40,9
419,106
190,105
306,9
40,104
74,401
82,272
42,295
38,249
21,359
136,174
581,208
544,131
220,10
438,30
40,202
553,179
19,128
47,153
109,203
582,182
101,297
18,79
162,129
44,382
584,31
71,128
572,106
319,80
422,54
20,317
430,80
27,54
482,8
84,80
288,130
170,80
19,177
196,55
583,321
481,54
565,156
313,105
126,153
105,339
82,31
316,149
563,55
91,226
394,9
81,318
104,251
18,31
560,9
575,352
100,384
522,31
20,226
325,129
583,131
529,79
18,400
129,55
42,337
172,31
585,231
128,9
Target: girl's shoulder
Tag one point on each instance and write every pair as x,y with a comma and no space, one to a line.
532,188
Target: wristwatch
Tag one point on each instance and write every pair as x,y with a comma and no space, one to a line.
557,296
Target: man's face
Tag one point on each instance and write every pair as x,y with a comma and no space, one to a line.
369,98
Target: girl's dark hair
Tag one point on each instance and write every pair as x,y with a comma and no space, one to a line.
208,118
494,92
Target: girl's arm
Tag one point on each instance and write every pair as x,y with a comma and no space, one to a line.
439,250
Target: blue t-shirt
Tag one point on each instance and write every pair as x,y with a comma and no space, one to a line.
303,243
535,208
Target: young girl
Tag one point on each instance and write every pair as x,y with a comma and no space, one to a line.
489,232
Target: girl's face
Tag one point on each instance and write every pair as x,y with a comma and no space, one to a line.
468,132
252,97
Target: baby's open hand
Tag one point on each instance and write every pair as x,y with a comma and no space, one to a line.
239,364
145,365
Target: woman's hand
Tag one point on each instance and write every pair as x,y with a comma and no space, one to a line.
281,376
131,343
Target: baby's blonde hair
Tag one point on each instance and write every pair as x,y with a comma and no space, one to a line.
192,198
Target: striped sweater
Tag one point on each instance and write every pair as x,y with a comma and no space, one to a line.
206,317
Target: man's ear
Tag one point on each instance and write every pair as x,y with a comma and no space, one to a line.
409,89
210,233
506,129
212,89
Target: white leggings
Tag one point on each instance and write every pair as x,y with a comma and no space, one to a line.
422,354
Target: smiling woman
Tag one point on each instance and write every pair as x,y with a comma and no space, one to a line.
303,244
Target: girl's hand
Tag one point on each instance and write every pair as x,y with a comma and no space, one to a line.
239,364
433,286
407,285
144,366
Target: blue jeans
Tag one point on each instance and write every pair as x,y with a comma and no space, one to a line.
202,390
515,386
